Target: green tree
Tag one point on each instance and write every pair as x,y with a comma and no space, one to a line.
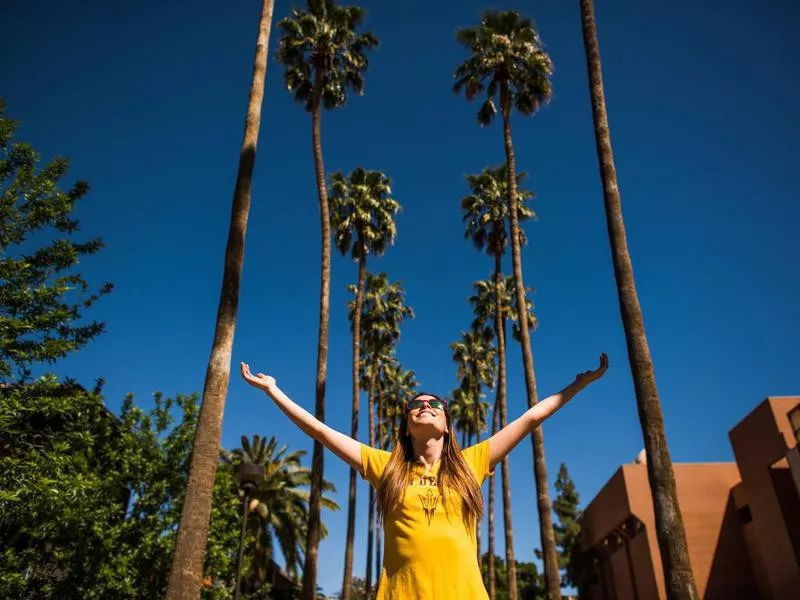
397,384
507,60
279,505
325,57
474,354
670,530
42,298
572,558
382,314
357,591
362,217
89,503
494,301
187,562
531,582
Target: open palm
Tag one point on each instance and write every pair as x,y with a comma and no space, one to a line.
588,377
261,381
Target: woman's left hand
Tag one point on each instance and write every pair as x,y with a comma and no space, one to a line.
587,377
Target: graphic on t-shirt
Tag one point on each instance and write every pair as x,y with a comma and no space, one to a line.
429,502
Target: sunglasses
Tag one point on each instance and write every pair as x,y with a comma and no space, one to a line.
417,403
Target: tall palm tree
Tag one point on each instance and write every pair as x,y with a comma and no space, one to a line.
280,503
669,523
362,217
485,212
474,354
460,410
185,578
325,57
383,311
398,384
487,309
507,59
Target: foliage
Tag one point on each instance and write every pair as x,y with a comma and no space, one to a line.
396,384
362,207
42,298
321,46
278,506
529,581
89,503
484,298
506,58
358,589
485,209
383,312
572,559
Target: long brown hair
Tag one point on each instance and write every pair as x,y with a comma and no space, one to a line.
454,475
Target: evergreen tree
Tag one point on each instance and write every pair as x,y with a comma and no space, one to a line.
571,557
42,298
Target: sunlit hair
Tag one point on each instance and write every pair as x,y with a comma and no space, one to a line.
454,474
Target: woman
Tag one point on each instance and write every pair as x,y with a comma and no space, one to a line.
428,490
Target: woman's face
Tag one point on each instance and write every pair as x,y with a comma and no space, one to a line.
426,416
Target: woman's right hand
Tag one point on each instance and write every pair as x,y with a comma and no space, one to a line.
343,446
260,381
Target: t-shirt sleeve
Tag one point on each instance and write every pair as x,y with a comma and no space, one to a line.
477,458
373,463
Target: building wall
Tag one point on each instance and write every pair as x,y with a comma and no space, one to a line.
622,579
742,519
646,585
607,510
759,441
716,545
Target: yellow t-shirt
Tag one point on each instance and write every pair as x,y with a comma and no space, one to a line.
428,552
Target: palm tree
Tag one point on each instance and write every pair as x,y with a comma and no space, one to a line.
324,56
362,217
474,354
507,54
460,411
669,523
485,211
487,309
397,385
382,313
280,503
185,578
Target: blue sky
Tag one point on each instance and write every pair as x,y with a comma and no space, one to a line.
148,100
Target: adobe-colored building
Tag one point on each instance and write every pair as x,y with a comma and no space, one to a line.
742,519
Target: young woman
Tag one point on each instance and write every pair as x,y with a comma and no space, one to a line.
428,489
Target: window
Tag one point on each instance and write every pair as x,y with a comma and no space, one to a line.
794,420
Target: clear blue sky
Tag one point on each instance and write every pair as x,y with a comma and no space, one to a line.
148,100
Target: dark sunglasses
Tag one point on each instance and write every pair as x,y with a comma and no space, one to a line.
417,403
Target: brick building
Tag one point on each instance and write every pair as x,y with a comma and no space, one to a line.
742,519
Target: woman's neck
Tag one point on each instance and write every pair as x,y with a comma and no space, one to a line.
428,451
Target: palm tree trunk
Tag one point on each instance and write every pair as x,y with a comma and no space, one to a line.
490,518
186,572
371,516
309,591
548,537
670,531
500,332
378,541
347,581
477,425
